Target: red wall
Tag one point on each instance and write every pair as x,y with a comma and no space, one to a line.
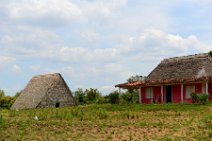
143,96
157,94
176,93
198,88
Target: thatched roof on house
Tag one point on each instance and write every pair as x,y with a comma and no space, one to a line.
190,68
44,91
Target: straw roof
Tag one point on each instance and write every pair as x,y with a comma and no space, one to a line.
183,69
44,91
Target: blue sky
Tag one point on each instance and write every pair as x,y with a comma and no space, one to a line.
97,43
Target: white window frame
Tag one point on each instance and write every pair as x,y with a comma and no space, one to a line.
189,89
149,93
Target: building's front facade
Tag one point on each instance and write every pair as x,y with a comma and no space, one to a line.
175,93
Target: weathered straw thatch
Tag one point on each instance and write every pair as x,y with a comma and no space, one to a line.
48,90
191,68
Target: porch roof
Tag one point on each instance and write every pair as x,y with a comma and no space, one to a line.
130,85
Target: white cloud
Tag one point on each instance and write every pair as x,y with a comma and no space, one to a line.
57,12
41,9
156,42
72,54
16,69
4,60
28,41
91,36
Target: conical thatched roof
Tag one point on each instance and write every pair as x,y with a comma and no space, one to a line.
45,91
182,69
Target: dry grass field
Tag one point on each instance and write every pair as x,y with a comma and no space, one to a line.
109,122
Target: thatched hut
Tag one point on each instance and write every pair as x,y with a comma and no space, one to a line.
174,79
48,90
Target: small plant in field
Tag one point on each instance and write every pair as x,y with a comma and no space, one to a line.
102,114
12,113
81,115
2,122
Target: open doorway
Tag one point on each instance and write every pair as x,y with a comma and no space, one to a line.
168,94
57,105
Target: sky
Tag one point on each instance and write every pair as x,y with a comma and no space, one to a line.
97,43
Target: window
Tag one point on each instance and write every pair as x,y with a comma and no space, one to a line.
189,90
149,93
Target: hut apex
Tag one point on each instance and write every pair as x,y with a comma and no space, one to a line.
48,90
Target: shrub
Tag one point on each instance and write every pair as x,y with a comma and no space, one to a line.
203,98
194,98
6,102
199,98
114,97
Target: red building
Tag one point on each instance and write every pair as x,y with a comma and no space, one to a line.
174,79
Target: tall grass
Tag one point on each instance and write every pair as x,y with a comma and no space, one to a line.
108,121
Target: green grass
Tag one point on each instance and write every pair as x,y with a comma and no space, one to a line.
109,122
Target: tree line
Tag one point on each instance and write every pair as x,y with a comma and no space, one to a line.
88,96
94,96
91,95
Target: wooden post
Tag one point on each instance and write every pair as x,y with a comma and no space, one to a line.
139,91
203,87
206,87
182,93
161,91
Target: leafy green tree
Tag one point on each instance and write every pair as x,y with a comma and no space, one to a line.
92,95
114,97
136,78
80,96
2,93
